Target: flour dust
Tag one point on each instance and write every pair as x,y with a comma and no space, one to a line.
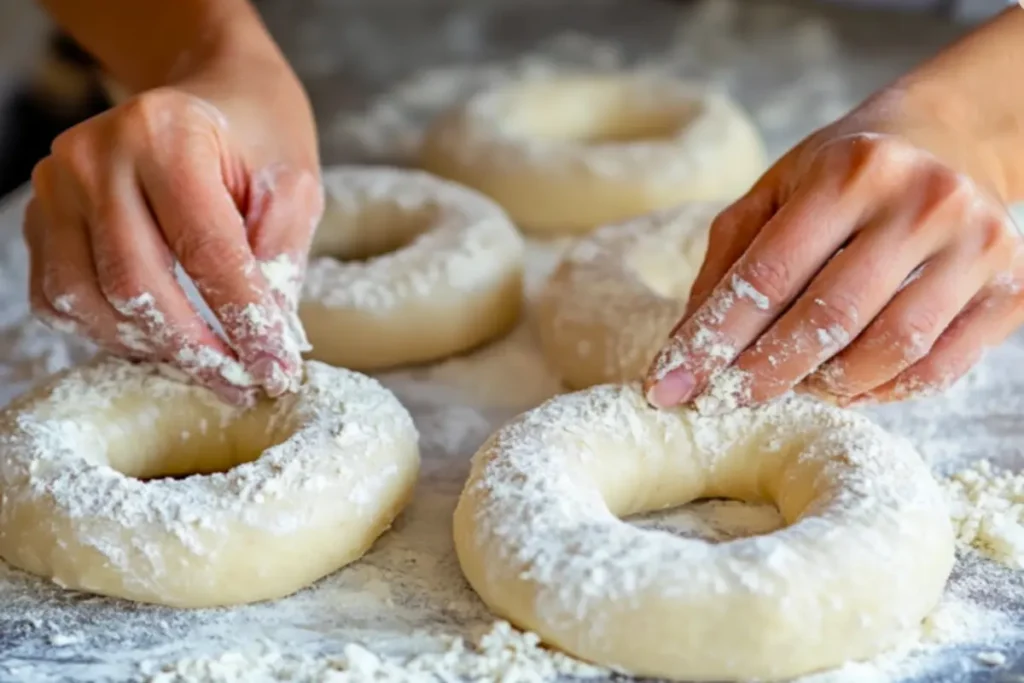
407,599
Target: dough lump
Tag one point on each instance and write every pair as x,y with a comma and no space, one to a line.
613,299
567,154
864,557
407,268
118,480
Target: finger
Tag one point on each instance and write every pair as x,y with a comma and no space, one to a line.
204,229
135,272
905,331
68,294
284,207
859,282
779,263
987,322
34,229
730,235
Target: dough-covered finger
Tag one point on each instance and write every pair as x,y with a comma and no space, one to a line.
928,301
986,323
857,285
64,289
206,233
33,229
135,272
782,259
284,208
729,237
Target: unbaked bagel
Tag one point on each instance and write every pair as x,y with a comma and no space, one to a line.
407,268
565,155
117,480
865,555
611,302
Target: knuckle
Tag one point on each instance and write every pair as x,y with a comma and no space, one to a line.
149,117
72,149
61,291
871,160
946,193
119,280
837,314
772,279
916,329
833,379
997,239
204,252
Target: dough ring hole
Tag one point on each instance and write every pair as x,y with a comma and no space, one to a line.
715,520
375,229
599,113
186,441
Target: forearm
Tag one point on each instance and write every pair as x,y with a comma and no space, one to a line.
148,44
973,89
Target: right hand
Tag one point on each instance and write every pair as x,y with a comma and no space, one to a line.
873,262
220,175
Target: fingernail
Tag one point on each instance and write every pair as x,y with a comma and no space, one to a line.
673,389
271,376
236,396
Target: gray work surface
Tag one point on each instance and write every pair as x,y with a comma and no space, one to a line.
349,54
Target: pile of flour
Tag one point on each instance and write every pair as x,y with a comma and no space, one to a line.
405,610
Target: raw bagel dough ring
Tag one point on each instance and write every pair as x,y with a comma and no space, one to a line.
442,271
84,497
613,299
566,155
865,555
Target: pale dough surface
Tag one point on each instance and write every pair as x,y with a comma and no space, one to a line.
568,154
407,268
95,491
865,554
616,294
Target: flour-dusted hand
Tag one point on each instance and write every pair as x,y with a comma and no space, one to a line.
215,169
874,261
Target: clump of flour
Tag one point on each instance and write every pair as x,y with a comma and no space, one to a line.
987,510
501,653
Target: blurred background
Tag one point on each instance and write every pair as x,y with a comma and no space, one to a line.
376,68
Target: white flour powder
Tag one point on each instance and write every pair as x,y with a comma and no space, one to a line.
987,507
404,610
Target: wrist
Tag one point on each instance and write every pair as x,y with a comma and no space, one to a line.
253,86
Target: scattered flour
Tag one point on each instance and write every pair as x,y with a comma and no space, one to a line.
406,598
500,654
987,508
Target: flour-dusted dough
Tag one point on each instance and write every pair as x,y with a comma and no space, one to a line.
865,555
567,154
610,304
407,268
96,492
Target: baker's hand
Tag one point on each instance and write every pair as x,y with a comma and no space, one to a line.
219,174
875,261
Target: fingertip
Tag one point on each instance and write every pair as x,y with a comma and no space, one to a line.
274,377
675,388
235,396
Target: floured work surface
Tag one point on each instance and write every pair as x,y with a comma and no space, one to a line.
404,613
407,596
